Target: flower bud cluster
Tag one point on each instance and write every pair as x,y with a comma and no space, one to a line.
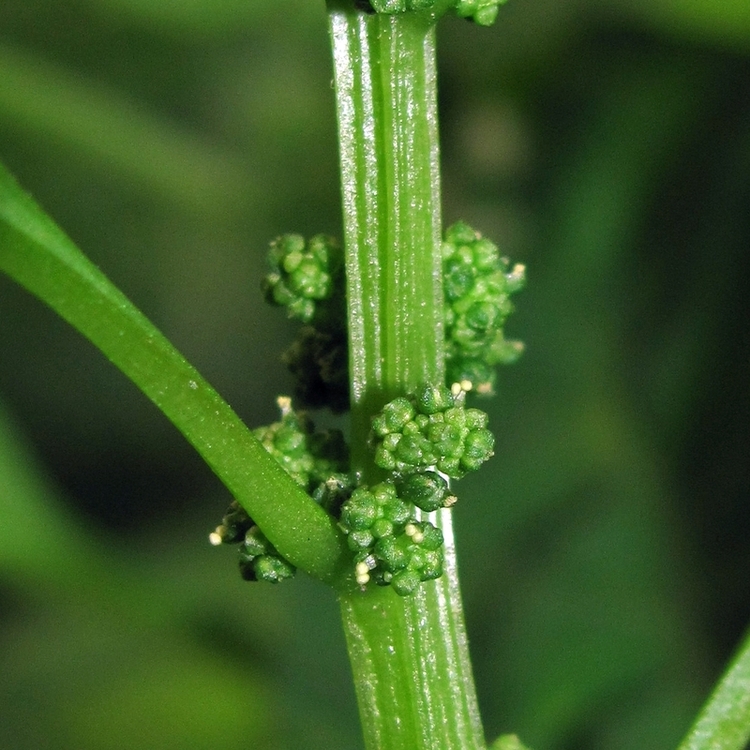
302,275
309,457
308,279
477,287
390,546
431,429
259,560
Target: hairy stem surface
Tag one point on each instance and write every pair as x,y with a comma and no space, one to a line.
409,655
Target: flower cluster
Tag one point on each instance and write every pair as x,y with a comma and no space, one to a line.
431,429
309,457
259,560
477,289
421,439
303,276
390,545
308,279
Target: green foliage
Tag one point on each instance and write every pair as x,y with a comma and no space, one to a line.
478,285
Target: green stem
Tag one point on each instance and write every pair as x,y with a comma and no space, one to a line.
36,253
724,721
387,113
409,655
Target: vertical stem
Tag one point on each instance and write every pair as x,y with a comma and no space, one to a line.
387,114
409,655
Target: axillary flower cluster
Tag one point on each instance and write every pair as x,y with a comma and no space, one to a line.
420,441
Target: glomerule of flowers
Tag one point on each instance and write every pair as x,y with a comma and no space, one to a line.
477,284
420,441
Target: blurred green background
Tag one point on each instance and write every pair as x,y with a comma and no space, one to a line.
604,552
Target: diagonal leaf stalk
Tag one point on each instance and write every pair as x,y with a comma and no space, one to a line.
409,655
724,721
38,255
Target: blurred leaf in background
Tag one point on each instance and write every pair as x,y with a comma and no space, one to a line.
605,562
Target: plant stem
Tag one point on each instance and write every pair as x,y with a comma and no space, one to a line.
409,655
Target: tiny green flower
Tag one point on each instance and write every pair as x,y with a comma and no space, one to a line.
427,490
259,560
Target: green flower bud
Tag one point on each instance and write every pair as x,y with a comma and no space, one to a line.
431,399
476,419
447,438
482,12
413,450
406,582
259,560
382,527
394,416
360,540
233,526
478,445
426,490
333,492
391,554
272,569
432,538
360,511
255,544
397,512
431,566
